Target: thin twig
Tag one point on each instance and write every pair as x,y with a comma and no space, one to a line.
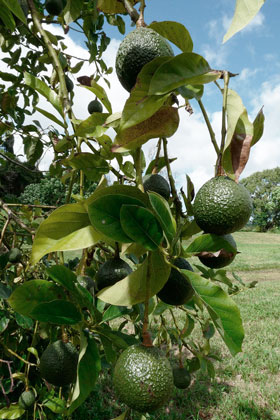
209,126
11,215
18,163
134,15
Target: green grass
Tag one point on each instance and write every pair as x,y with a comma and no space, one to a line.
246,387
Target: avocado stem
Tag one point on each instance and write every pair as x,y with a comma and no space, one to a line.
145,333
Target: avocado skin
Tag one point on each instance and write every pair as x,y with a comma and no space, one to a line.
143,378
158,184
54,7
181,377
223,259
138,48
95,106
222,206
112,271
177,290
58,363
69,84
26,400
15,255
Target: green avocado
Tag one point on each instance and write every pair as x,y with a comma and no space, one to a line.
95,106
177,290
69,84
181,377
143,378
138,48
26,400
54,7
222,206
58,363
113,270
223,259
158,184
15,255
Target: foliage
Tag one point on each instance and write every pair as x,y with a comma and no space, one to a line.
44,295
264,189
50,191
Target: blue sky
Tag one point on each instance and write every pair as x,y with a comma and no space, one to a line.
253,53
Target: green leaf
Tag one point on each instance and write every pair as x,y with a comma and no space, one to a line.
88,370
164,215
23,321
118,338
174,32
58,311
159,163
183,69
7,17
4,322
114,312
190,229
27,296
245,11
110,353
92,165
56,405
139,105
44,90
132,289
163,123
222,309
141,226
33,149
14,6
104,212
72,11
101,94
113,6
123,415
93,126
192,91
5,292
210,242
258,127
13,412
68,228
50,116
63,276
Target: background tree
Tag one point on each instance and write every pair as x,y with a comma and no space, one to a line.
264,189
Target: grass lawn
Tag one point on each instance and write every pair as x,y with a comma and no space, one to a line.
247,386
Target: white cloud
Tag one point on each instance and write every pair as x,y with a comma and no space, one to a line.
257,22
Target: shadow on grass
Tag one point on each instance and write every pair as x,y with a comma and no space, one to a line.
199,402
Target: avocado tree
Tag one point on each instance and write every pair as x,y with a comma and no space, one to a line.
63,320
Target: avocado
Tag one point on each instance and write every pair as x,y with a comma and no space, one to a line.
158,184
222,206
223,259
69,84
181,377
143,378
15,255
27,399
113,270
54,7
58,363
177,290
95,106
138,48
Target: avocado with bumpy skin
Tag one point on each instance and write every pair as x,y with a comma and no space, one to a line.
27,399
177,290
143,378
138,48
95,106
223,259
158,184
14,255
58,363
222,206
112,271
181,377
54,7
